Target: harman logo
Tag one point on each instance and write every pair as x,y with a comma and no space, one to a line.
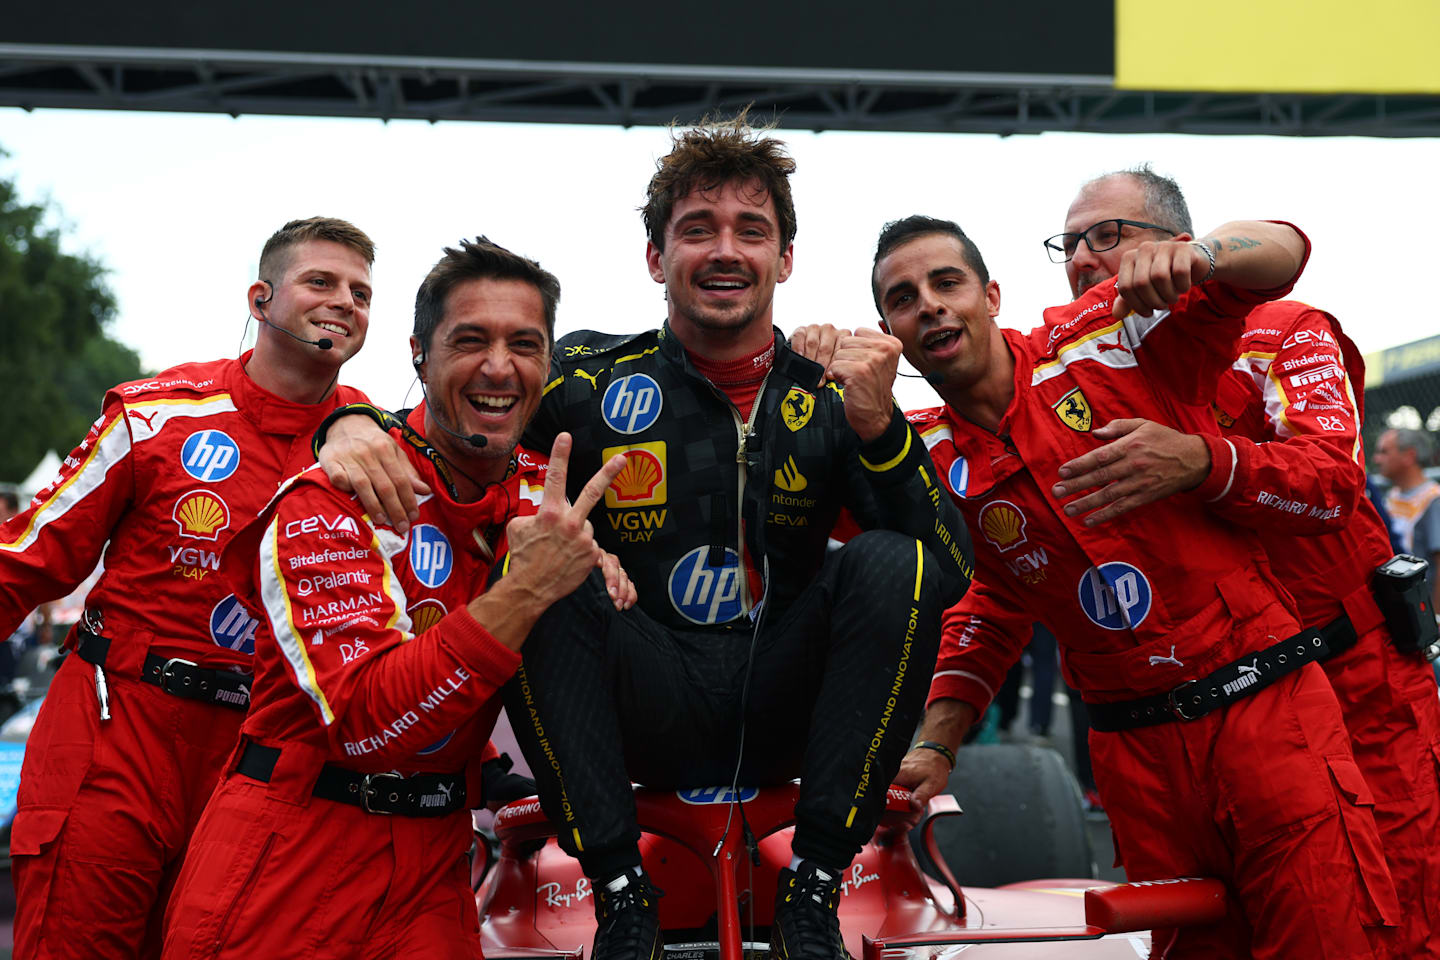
632,403
430,555
704,594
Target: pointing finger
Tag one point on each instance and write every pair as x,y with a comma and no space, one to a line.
595,489
558,471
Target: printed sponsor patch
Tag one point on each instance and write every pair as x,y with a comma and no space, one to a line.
232,627
796,408
1115,596
789,478
1002,524
704,594
701,796
201,515
425,615
959,476
1074,411
642,482
210,455
631,404
430,555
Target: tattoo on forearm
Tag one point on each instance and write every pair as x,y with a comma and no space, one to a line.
1241,243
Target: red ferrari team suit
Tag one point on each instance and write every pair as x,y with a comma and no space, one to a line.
1290,466
145,708
375,693
1263,792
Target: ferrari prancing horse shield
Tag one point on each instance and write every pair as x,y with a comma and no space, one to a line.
1074,411
796,408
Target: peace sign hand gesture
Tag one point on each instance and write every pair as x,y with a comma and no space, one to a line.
551,553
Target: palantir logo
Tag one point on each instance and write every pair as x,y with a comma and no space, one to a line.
210,455
1115,596
704,594
632,403
232,627
430,555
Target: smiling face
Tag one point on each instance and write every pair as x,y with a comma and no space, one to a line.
485,371
721,261
324,291
939,309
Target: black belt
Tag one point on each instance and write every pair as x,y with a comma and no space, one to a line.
177,677
423,795
1339,635
1193,699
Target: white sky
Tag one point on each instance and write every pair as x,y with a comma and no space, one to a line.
179,205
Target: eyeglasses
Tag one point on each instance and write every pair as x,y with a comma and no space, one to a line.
1100,237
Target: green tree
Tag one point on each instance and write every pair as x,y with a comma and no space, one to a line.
55,358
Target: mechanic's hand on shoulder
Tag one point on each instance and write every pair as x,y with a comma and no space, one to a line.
817,341
1154,275
360,458
1143,462
926,773
552,552
617,581
864,364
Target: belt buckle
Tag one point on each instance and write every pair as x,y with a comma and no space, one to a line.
166,676
1175,705
367,791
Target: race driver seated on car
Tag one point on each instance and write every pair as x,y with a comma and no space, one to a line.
739,462
1219,748
341,827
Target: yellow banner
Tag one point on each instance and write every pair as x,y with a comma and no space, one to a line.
1281,46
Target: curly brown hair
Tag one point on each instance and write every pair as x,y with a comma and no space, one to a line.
716,152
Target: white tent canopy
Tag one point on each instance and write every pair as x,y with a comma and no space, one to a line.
43,473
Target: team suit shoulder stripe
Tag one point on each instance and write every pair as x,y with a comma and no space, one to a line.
111,448
276,600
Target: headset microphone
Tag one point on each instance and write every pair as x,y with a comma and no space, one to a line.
476,440
324,343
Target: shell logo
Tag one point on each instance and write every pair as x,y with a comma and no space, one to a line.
201,515
642,481
425,615
1002,524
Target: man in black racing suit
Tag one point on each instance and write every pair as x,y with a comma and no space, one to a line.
739,464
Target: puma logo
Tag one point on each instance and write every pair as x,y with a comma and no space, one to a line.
1252,668
586,376
1117,345
1170,659
147,420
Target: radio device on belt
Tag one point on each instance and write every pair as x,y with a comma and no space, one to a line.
1401,594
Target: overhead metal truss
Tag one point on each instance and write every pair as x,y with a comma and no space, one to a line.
395,88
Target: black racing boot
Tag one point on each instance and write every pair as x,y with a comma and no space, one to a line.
628,918
806,926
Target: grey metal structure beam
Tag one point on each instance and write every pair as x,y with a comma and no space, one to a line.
392,88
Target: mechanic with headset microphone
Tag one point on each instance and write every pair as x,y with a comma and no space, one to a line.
143,712
342,826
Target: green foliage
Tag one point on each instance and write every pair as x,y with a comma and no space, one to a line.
55,360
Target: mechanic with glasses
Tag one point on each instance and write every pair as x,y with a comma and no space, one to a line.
1100,236
1289,465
